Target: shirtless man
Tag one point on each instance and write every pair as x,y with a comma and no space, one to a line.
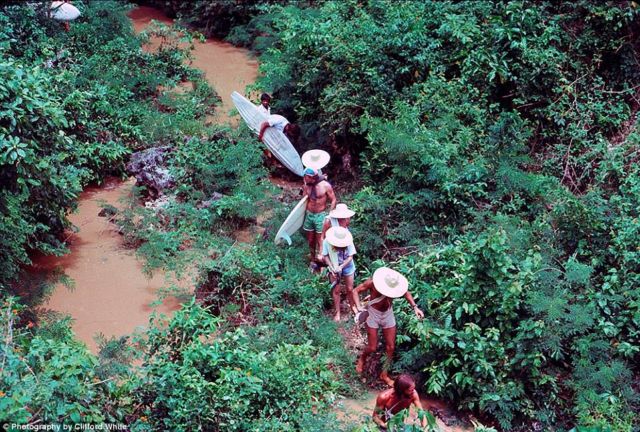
393,400
385,285
318,191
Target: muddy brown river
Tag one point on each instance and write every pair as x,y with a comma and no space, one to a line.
112,296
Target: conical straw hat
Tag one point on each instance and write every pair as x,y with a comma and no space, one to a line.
315,159
339,237
389,282
341,212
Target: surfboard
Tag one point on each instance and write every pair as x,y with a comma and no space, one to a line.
292,223
251,115
61,11
276,141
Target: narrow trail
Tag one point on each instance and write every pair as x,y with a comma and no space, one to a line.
112,295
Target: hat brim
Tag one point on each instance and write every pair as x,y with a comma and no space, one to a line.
318,163
339,242
383,288
341,215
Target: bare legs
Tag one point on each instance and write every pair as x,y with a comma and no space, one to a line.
335,294
318,246
389,335
311,239
372,344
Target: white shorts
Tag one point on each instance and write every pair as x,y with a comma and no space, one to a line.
377,319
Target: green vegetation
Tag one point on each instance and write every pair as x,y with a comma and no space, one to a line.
498,147
495,147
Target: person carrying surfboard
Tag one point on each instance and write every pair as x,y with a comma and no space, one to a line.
292,131
401,396
338,251
318,192
265,104
340,216
316,159
385,285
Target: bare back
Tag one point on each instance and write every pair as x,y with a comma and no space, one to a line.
389,400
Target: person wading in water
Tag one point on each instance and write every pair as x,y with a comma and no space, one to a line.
318,191
385,285
391,401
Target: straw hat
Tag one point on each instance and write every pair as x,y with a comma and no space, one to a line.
339,237
315,159
389,282
341,212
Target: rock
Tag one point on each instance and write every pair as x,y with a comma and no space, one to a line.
208,203
149,168
159,203
108,211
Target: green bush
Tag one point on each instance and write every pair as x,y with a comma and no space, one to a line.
49,377
198,378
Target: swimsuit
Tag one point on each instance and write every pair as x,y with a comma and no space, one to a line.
314,221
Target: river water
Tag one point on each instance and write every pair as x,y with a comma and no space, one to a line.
112,295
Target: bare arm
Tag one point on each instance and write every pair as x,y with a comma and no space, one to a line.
357,290
327,261
380,401
413,304
263,127
416,402
332,197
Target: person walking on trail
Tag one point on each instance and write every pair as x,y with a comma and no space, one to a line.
340,216
338,251
319,192
279,122
385,285
316,159
265,104
401,396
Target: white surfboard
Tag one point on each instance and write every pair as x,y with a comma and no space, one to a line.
61,11
292,223
251,115
276,141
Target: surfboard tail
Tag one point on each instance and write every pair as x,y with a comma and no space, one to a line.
285,237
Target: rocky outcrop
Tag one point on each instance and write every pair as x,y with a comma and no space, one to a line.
150,170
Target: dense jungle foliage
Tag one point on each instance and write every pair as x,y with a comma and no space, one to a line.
75,105
490,150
